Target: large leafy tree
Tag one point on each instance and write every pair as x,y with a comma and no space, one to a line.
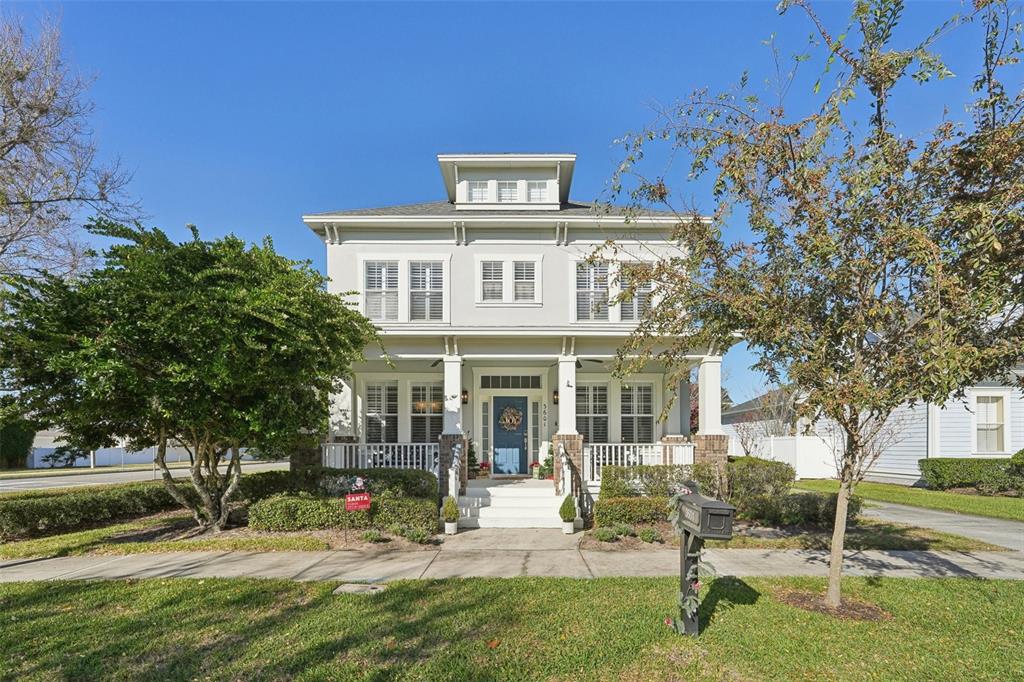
215,345
884,264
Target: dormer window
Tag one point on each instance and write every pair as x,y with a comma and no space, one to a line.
537,191
508,191
478,191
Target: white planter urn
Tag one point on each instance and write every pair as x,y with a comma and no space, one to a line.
451,527
568,527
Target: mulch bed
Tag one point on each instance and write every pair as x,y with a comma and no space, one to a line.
850,609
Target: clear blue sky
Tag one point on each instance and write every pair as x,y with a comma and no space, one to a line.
241,117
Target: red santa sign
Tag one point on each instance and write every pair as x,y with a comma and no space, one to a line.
357,502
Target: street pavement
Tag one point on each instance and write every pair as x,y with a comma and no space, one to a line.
84,479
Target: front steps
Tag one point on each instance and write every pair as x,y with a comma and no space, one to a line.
503,503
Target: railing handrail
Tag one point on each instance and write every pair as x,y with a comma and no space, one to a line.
423,456
598,455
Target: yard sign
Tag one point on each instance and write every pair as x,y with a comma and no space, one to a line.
357,502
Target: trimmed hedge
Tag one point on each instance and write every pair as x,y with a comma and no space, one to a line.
655,480
987,474
611,511
286,512
812,509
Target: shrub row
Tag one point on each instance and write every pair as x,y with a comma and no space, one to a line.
810,509
988,474
609,511
650,480
287,512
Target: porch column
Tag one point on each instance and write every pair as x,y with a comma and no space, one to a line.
567,435
710,444
452,433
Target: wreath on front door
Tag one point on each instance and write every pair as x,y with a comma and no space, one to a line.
510,419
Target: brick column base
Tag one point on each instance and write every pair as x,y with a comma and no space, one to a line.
445,452
573,443
712,449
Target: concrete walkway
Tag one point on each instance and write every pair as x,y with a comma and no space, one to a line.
1000,532
506,553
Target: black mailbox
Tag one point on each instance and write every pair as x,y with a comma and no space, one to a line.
707,518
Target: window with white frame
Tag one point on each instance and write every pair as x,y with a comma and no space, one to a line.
637,407
591,291
492,282
990,417
537,191
381,416
524,280
380,290
426,290
535,429
427,401
508,190
638,300
592,412
477,191
485,429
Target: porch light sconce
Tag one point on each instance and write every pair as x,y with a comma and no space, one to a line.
554,397
465,397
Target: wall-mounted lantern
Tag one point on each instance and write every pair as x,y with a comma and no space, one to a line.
554,397
465,396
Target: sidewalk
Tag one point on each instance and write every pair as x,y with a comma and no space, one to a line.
542,553
1000,532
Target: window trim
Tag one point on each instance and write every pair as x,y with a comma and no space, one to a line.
1006,394
544,189
515,189
404,289
574,293
608,390
397,289
383,385
469,192
508,280
413,414
630,386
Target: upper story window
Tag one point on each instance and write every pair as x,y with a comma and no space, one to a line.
380,290
477,191
637,305
990,415
591,291
508,190
537,191
524,274
426,290
492,282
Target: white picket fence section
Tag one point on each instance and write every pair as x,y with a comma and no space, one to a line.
598,455
423,456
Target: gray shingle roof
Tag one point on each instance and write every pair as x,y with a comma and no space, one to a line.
446,209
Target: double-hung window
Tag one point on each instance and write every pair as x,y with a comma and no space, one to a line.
492,282
592,412
508,190
427,412
477,191
637,406
537,191
380,290
426,291
591,291
638,302
990,415
382,413
524,279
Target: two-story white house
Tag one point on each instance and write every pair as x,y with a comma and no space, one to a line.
497,329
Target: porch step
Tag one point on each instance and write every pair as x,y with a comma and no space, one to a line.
506,504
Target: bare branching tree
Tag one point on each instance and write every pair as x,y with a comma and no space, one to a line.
50,173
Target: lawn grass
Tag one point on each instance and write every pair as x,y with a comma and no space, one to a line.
493,629
106,540
980,505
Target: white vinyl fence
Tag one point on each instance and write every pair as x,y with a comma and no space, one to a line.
810,456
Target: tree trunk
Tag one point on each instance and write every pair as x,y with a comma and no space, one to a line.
833,596
234,475
172,488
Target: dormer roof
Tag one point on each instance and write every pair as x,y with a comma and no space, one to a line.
563,165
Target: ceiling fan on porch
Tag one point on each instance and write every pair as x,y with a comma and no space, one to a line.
579,365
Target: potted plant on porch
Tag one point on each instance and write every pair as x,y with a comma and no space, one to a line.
568,513
450,514
535,468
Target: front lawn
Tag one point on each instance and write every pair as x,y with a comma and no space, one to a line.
492,629
980,505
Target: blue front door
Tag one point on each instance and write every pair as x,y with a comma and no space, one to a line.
509,435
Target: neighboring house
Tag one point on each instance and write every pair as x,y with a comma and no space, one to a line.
987,422
499,331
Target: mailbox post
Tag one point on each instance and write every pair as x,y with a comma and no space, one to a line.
696,518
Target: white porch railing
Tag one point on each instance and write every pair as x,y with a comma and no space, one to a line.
381,456
598,455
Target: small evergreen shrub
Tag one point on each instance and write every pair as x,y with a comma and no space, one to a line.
657,480
625,530
286,512
634,511
417,535
989,475
814,509
373,535
450,510
650,535
605,535
567,511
